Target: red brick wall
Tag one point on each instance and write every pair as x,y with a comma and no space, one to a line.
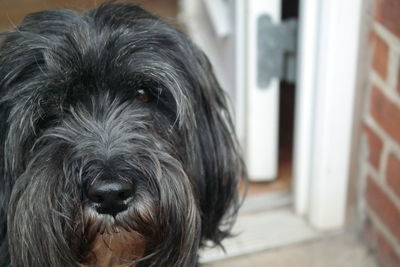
382,134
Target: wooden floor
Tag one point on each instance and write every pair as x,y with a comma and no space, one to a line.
282,183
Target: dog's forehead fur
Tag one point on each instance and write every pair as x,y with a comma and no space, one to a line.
69,116
102,52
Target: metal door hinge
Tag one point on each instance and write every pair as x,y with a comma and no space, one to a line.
276,47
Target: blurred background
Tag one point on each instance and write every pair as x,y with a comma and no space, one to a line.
314,87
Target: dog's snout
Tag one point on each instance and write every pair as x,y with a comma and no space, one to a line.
110,196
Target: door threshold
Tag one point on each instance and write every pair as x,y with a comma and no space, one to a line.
262,231
267,201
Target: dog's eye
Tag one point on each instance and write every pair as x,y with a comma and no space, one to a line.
142,95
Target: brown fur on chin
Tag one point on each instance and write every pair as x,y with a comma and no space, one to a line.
120,248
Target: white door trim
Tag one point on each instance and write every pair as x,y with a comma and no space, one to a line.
328,49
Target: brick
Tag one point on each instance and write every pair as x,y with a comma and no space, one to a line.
393,173
386,113
398,81
387,12
369,232
387,256
383,207
374,147
383,250
380,57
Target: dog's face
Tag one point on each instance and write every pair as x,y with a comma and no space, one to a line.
116,145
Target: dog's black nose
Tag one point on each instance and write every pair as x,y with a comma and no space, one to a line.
110,196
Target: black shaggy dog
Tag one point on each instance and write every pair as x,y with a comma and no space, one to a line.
116,145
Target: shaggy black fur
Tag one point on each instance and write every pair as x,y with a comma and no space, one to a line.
111,95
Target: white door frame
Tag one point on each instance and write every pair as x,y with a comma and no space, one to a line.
328,50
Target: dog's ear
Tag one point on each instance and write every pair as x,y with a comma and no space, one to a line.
4,183
221,167
5,191
5,188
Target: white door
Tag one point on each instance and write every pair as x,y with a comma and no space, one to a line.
261,104
227,30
